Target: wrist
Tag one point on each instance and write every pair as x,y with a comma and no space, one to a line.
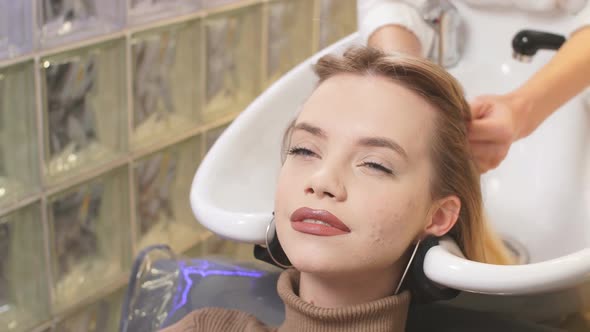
522,106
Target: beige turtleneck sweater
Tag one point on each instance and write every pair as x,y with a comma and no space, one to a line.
384,315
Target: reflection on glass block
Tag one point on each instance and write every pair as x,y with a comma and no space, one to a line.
337,20
212,135
84,108
63,21
165,83
289,30
141,11
18,134
101,316
233,60
163,211
23,286
72,124
15,28
90,225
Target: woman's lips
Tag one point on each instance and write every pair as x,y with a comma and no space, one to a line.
324,223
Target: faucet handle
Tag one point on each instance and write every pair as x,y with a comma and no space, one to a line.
444,18
526,43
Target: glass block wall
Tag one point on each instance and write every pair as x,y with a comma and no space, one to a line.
106,109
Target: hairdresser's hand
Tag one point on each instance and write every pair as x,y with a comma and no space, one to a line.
494,126
395,38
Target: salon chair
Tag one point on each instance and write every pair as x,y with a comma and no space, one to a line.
163,288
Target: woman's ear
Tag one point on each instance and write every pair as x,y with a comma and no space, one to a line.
443,216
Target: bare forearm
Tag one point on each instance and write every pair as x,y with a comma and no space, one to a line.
395,38
566,75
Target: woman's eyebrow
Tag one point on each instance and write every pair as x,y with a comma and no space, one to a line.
379,142
316,131
382,142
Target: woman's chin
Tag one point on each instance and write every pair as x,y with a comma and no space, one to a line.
309,265
319,264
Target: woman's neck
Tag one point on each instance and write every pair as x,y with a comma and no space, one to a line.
334,290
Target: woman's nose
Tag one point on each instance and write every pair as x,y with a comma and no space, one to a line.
326,182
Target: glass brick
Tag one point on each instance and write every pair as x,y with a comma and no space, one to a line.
23,274
233,53
19,164
65,21
16,36
89,237
162,186
84,109
213,134
142,11
165,82
289,29
218,3
337,20
102,316
215,246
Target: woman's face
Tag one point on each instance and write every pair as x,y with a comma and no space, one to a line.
358,163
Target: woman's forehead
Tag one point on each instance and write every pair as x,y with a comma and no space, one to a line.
356,105
350,93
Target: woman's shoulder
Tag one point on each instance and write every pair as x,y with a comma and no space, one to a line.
218,319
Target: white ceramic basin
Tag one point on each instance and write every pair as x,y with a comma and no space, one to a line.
539,197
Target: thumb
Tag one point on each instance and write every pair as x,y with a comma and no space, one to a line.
479,107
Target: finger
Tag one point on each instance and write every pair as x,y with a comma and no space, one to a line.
496,128
482,168
482,165
479,107
481,161
482,130
483,149
488,155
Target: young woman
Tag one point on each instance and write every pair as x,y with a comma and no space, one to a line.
377,160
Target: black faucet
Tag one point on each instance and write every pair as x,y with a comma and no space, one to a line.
526,43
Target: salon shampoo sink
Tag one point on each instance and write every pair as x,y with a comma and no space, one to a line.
538,199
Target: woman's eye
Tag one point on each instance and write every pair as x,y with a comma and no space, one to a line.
301,152
377,166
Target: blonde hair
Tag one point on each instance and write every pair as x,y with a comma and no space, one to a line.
455,173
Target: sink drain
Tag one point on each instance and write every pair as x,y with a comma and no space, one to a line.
518,250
